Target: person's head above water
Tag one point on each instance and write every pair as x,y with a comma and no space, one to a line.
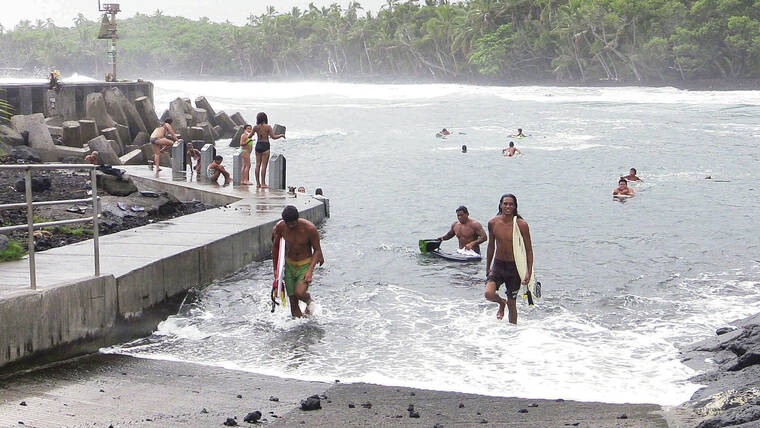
519,130
290,215
464,148
507,203
623,182
511,144
633,171
462,214
261,118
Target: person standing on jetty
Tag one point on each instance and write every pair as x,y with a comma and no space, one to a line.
246,147
160,141
468,231
302,253
263,132
504,270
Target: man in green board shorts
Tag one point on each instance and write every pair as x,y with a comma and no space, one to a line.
302,253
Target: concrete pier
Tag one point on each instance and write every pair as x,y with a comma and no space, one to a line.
69,101
72,312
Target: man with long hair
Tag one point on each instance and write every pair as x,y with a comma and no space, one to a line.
500,252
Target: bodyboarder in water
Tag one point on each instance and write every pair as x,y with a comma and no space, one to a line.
302,253
468,231
504,270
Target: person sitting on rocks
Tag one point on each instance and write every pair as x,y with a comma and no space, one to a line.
92,157
194,154
161,139
215,169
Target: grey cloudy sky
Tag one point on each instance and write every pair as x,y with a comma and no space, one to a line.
236,11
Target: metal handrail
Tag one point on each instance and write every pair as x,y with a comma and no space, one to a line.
31,225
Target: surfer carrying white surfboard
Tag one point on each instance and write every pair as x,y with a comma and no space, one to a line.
302,253
501,253
468,231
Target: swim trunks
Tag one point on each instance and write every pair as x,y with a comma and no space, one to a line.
153,141
210,172
294,272
262,146
506,273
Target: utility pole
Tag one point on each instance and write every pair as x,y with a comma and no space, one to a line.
108,31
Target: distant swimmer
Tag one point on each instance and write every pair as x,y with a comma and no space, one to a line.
302,253
632,176
464,148
442,133
519,134
623,189
469,232
511,150
501,253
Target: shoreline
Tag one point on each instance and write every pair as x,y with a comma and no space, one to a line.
109,389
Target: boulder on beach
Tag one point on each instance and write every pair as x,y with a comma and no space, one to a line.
10,136
115,186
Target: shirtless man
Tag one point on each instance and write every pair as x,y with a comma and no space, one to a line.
504,270
469,232
623,189
632,176
302,253
160,141
511,150
215,169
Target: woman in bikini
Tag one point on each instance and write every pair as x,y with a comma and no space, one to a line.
246,147
263,132
159,140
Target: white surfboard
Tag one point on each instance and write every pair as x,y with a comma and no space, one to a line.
279,281
521,261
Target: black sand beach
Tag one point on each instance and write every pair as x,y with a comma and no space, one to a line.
114,390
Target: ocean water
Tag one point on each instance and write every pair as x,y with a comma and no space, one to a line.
624,283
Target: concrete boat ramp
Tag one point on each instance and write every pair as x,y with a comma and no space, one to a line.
73,312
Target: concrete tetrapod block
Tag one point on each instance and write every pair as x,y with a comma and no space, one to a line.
228,126
207,156
199,116
177,113
105,150
164,159
196,133
147,112
124,137
55,130
10,136
235,141
238,119
114,108
72,134
134,121
208,132
179,152
218,131
135,157
88,129
113,134
202,103
164,116
237,166
141,138
95,108
40,138
277,171
64,152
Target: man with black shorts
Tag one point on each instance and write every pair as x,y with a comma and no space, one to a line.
504,270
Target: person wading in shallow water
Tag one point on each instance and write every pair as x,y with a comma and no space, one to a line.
468,231
504,270
302,253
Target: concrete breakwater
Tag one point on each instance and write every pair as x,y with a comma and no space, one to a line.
72,312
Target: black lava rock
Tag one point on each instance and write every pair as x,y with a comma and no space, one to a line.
724,330
532,405
311,403
522,411
351,405
483,421
252,417
410,408
414,415
412,394
367,405
623,416
204,410
23,403
39,184
461,405
230,422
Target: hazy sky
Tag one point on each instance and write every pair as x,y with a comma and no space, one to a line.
236,11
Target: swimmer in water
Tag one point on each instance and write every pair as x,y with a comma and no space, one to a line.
623,189
519,134
511,150
632,176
